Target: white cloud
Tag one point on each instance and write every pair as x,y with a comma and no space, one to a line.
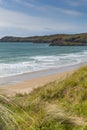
76,2
63,10
71,12
22,2
46,8
21,20
49,8
13,21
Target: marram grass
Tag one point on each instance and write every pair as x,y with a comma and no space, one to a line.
7,120
60,105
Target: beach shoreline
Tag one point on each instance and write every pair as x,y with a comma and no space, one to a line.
15,79
27,83
26,87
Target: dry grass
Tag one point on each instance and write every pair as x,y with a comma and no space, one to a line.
58,105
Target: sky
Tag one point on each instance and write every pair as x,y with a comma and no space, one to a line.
42,17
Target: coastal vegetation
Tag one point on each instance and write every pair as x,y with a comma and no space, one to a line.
53,40
59,105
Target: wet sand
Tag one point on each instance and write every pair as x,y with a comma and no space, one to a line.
4,81
29,85
26,83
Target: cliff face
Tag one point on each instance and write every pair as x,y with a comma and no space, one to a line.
54,40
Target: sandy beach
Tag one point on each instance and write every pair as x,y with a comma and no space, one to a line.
28,82
29,85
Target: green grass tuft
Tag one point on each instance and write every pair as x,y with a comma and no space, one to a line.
58,105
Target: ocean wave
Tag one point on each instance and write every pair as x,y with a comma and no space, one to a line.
35,63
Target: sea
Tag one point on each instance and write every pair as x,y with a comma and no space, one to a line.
23,57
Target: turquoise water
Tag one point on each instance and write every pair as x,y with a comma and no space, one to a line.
18,58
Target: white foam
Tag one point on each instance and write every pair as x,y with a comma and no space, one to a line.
35,63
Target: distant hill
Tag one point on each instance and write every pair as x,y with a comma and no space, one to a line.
53,40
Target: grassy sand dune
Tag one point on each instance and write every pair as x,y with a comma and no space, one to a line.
29,85
60,105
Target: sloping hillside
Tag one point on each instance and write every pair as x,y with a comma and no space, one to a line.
60,105
54,40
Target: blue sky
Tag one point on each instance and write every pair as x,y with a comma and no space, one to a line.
42,17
